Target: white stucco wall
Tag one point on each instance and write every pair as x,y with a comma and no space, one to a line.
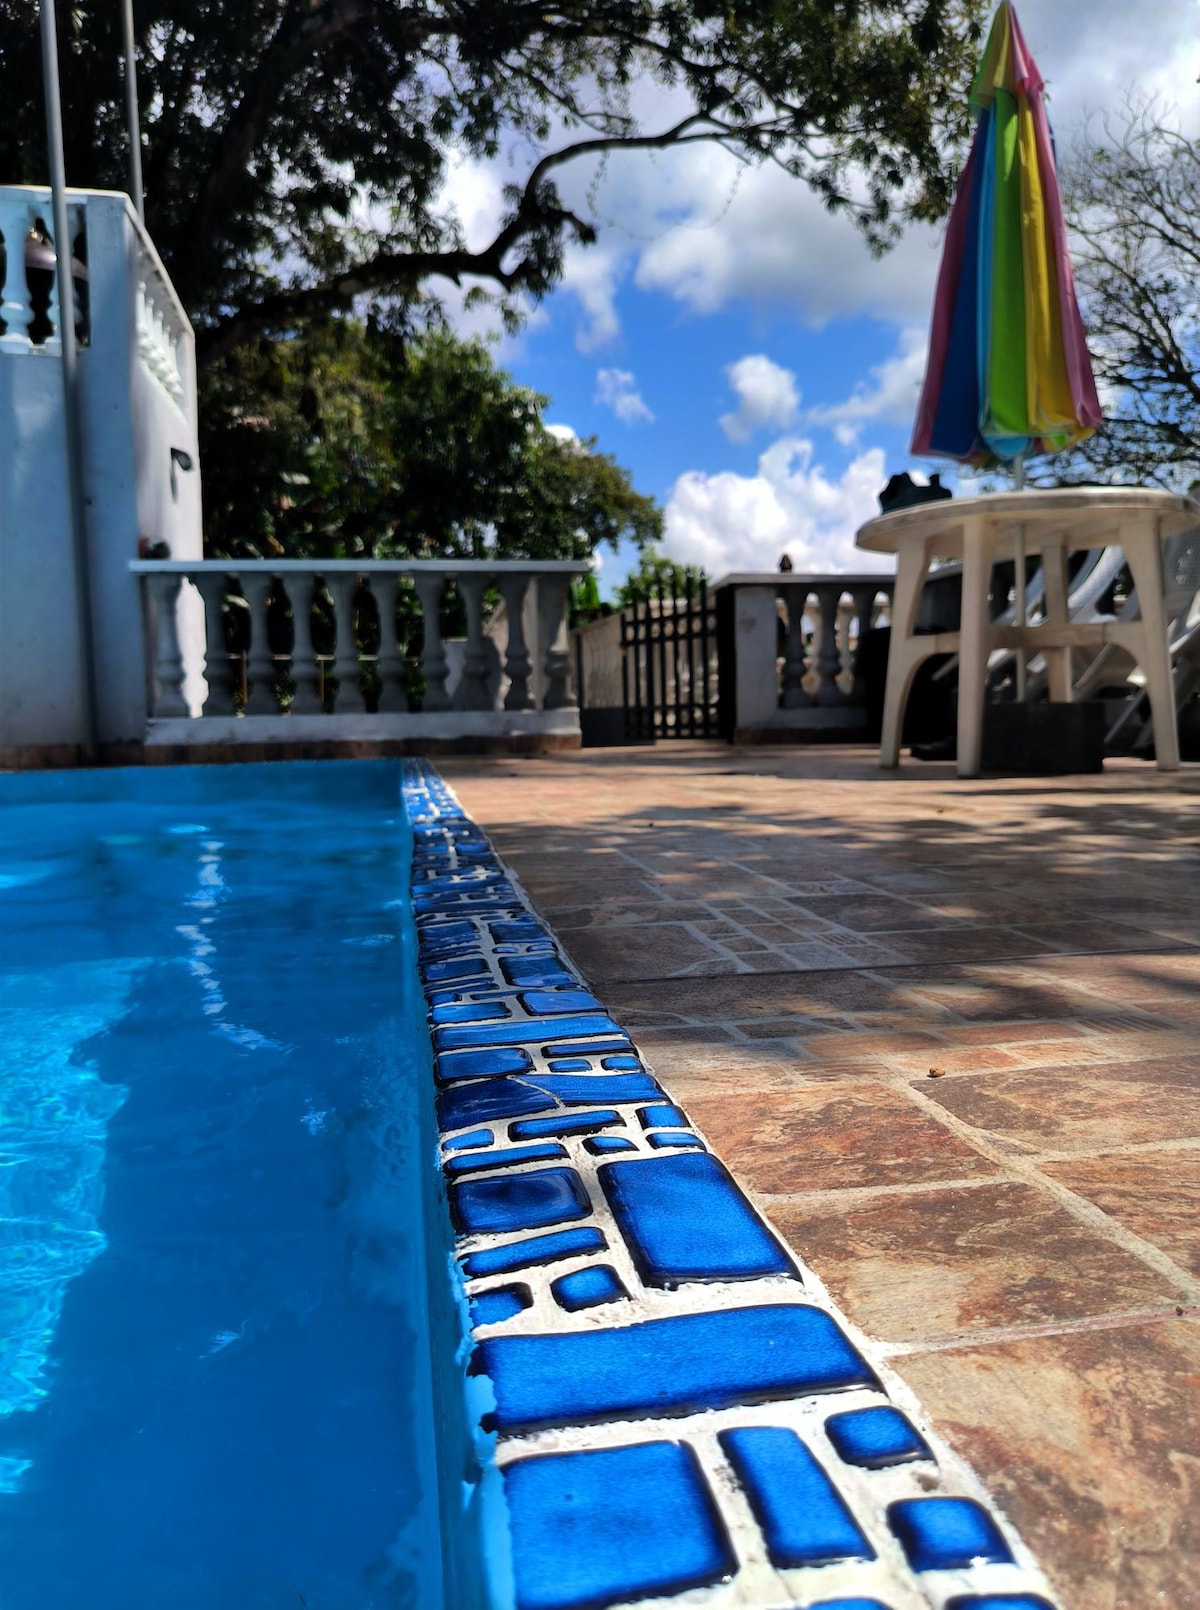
130,423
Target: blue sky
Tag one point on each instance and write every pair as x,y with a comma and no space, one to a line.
741,351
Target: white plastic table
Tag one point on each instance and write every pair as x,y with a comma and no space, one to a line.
984,530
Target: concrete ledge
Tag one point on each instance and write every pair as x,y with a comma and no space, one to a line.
420,726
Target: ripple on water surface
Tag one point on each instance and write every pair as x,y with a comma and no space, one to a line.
212,1333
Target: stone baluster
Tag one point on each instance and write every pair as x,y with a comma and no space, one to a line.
212,590
795,663
14,293
829,659
430,587
518,663
393,681
167,679
475,693
306,676
845,617
864,610
345,665
260,663
77,223
554,593
52,313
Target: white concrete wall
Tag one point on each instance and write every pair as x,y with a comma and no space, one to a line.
137,385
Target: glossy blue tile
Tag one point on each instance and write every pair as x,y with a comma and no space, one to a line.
476,1137
612,1524
849,1604
621,1064
603,1144
518,1202
464,967
466,1036
452,1065
668,1366
999,1601
677,1140
537,1249
683,1218
450,933
801,1514
490,1307
547,1002
473,1012
588,1048
517,930
486,1099
662,1116
571,1065
535,971
579,1123
504,1157
584,1089
945,1534
875,1437
587,1288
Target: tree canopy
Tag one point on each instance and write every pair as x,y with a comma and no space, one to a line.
295,150
1133,201
346,441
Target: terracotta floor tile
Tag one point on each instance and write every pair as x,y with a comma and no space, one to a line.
1065,1108
868,913
833,1136
1093,936
655,950
852,1047
567,918
926,1264
757,995
1091,1444
962,944
1154,1194
1008,1034
952,1059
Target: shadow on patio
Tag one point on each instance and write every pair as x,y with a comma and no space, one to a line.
945,1034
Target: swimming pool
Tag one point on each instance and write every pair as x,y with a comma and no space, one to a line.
215,1377
353,1258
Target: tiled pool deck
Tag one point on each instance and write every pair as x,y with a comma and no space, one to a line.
945,1035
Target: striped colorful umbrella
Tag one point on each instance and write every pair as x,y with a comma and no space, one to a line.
1009,373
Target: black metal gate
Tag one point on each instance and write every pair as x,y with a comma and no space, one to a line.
669,665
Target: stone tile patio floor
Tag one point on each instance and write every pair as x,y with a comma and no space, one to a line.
947,1035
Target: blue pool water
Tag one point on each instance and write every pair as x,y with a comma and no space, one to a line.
215,1388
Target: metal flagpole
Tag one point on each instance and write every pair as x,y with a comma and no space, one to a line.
70,371
131,113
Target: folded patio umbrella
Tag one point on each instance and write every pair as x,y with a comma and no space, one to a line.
1008,373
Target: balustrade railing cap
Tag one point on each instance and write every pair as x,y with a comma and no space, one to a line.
41,193
849,582
360,567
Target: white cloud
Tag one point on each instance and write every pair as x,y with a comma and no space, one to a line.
766,394
617,389
563,433
695,225
889,394
728,522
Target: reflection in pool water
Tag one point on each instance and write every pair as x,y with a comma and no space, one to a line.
214,1379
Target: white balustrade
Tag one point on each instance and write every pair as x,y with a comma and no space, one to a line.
824,616
255,671
25,218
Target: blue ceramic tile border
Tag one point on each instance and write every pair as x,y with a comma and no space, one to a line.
676,1412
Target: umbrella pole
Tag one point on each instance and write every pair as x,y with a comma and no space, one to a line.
1019,576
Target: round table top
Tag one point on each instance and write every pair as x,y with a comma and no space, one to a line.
1091,515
